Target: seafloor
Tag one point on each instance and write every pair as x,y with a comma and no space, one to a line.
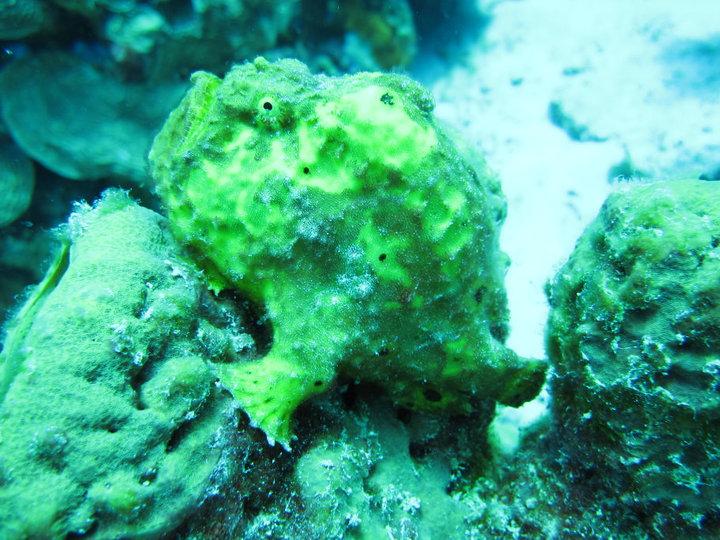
154,386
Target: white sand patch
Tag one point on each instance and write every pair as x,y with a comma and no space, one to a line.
610,65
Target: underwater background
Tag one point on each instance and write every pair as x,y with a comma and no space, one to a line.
359,269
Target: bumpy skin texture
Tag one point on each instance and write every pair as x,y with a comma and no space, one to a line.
338,204
110,419
634,336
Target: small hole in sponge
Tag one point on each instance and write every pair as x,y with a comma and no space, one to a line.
148,476
384,351
387,99
479,293
418,450
306,170
267,106
177,436
382,257
318,383
403,414
432,395
84,533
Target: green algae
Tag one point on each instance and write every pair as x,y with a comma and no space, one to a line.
634,336
110,420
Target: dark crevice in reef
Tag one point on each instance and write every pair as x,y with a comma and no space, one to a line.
88,533
184,427
231,307
259,327
137,380
54,196
178,435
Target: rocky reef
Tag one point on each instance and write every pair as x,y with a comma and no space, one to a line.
110,421
629,445
634,337
310,256
92,125
17,181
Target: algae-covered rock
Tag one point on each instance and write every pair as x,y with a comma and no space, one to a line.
634,336
135,32
110,418
219,31
158,39
339,205
17,180
374,471
349,36
537,492
78,121
363,483
387,26
93,7
385,29
21,18
26,245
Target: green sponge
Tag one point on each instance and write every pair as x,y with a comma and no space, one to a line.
339,205
111,423
634,336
